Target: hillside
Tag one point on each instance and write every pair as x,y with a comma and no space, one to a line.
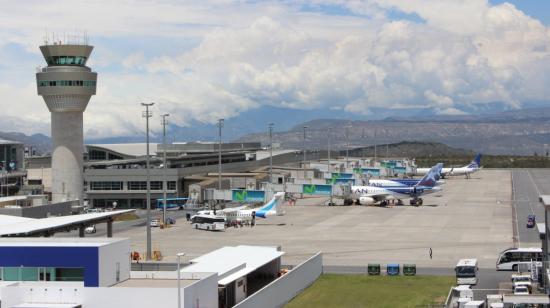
521,132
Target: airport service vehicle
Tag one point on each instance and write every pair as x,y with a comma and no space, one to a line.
90,229
510,259
370,195
242,214
155,223
466,272
208,222
521,290
522,280
472,167
172,203
531,221
392,269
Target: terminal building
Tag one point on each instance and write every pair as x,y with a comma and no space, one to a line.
96,272
12,167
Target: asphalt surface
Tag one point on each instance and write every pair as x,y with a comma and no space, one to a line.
527,186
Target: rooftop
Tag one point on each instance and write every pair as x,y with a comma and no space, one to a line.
233,262
154,283
5,141
58,241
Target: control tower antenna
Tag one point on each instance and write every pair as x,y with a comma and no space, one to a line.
66,85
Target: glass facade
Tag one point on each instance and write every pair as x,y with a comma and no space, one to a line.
41,274
106,185
142,185
66,60
67,83
171,185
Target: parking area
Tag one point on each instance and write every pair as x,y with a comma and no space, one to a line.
470,218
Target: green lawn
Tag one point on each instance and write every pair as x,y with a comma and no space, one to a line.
374,291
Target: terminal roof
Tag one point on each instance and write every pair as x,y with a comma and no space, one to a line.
234,262
20,226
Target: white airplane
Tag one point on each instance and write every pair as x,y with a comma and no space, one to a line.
474,166
369,195
404,182
242,213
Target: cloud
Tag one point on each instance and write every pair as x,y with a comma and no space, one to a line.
204,65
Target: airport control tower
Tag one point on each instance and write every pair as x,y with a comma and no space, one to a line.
66,85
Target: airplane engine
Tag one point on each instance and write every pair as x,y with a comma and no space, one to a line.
366,201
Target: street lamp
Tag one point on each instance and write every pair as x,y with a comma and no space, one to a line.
165,184
147,114
347,146
328,163
305,127
220,125
270,125
179,255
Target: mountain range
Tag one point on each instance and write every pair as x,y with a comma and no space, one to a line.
515,132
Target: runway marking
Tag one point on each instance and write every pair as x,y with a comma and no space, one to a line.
533,181
515,234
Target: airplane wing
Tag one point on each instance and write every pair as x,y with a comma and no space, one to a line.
21,226
378,196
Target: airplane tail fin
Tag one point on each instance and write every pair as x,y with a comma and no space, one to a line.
272,206
438,172
476,162
429,180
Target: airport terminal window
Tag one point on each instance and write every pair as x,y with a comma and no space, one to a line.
171,185
66,60
142,185
105,185
67,83
97,155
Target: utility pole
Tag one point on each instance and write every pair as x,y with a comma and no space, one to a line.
305,127
270,125
165,180
220,125
148,114
347,146
328,163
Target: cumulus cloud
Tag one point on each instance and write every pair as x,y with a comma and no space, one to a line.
461,53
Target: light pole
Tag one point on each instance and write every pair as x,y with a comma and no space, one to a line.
328,163
180,254
270,125
220,125
147,114
165,184
347,146
305,127
375,142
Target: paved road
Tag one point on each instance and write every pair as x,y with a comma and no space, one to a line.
120,226
526,190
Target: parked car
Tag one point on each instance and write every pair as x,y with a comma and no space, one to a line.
531,221
155,223
521,290
90,229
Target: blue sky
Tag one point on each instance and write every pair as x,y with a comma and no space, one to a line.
204,60
539,9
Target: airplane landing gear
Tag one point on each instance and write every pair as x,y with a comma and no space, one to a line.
416,201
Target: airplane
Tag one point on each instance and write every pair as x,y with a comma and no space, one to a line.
405,182
369,195
472,167
242,213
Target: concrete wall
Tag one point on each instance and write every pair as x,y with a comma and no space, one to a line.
203,294
41,211
112,258
285,288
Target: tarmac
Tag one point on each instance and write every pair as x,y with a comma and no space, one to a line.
470,218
